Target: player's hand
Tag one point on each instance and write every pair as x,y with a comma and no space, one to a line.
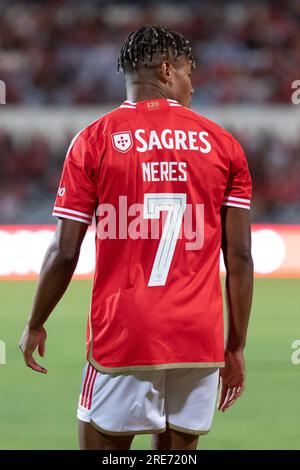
30,340
232,379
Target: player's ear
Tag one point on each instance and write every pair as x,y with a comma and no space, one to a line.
166,72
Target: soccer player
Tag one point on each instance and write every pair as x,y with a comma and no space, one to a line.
169,189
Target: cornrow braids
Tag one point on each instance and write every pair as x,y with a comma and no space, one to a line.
141,45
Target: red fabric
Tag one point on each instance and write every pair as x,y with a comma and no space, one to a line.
133,323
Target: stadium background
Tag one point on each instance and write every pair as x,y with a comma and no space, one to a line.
58,61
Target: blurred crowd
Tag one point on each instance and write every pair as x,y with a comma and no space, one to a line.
65,52
30,173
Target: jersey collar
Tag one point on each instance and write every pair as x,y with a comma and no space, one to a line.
132,105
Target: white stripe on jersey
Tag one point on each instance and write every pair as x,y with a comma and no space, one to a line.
129,102
236,205
65,216
71,211
131,105
238,199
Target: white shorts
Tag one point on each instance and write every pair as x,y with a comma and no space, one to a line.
146,401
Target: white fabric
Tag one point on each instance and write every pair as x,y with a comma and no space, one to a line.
147,400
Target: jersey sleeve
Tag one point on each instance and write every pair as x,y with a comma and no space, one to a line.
239,188
76,197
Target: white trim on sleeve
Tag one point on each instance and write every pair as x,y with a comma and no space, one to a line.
71,211
236,205
65,216
237,202
73,215
236,199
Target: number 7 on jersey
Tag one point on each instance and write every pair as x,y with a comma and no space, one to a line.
175,204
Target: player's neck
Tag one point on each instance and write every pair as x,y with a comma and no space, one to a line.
146,92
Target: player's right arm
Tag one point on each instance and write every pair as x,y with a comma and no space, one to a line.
75,205
56,273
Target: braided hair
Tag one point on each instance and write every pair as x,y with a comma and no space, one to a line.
141,45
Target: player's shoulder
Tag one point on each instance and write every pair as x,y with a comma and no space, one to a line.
103,124
208,124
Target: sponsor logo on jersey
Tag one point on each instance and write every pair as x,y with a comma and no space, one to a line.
170,139
122,141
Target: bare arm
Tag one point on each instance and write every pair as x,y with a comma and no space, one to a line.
56,273
236,247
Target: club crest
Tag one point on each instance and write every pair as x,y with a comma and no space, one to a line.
122,141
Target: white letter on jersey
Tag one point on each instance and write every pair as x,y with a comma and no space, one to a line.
206,149
154,171
154,141
193,140
175,204
167,144
141,140
182,169
180,138
146,171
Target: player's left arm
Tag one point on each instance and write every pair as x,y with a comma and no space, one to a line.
236,248
56,273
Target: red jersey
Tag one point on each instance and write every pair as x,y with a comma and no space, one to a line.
155,175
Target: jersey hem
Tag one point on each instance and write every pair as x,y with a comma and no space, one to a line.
176,365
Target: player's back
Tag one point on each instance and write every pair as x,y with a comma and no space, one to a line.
159,174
